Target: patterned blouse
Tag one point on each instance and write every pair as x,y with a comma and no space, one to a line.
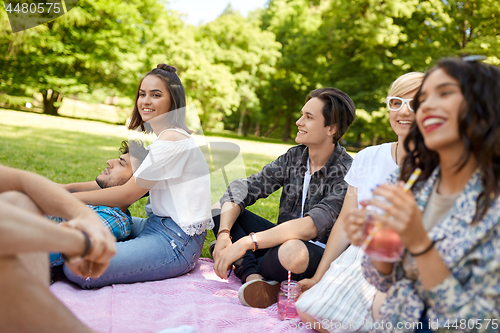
469,299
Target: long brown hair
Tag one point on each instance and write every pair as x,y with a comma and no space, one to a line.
177,93
478,123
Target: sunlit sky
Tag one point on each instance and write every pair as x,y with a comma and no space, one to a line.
204,11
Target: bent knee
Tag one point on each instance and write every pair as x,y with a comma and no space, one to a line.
19,199
294,256
13,197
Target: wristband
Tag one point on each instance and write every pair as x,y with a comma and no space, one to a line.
427,249
87,247
254,239
227,231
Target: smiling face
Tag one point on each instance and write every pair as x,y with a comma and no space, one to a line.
441,100
153,99
311,125
117,173
402,120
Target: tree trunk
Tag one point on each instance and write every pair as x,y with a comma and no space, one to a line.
358,141
242,120
275,125
49,98
257,129
287,132
246,125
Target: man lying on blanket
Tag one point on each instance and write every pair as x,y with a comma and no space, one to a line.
117,219
26,304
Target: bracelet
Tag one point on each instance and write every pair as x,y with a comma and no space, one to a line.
427,249
224,231
254,239
87,247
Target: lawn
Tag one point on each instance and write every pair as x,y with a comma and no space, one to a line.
71,150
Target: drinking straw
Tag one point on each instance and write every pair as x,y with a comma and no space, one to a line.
289,280
288,292
413,178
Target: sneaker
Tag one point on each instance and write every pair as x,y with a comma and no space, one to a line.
211,248
259,293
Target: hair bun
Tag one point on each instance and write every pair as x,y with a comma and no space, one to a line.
167,68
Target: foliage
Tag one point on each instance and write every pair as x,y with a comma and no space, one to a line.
294,22
251,74
249,53
90,47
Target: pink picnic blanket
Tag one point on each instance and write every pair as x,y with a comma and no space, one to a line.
198,299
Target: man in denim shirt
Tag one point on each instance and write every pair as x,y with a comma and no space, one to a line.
312,177
116,219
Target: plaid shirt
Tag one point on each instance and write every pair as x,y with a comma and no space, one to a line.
113,218
325,194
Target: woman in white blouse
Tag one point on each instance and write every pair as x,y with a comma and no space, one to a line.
175,174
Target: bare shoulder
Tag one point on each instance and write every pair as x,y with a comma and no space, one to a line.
173,136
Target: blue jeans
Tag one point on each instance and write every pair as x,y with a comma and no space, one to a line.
162,250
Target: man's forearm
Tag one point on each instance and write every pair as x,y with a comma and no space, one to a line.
302,228
81,187
229,213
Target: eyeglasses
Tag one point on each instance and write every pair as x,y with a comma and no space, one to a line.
396,103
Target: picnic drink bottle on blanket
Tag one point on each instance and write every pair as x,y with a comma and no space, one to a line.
176,175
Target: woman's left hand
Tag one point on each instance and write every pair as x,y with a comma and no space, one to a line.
403,215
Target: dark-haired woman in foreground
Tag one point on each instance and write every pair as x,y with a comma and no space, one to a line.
175,174
449,276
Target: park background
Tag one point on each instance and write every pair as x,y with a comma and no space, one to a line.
75,78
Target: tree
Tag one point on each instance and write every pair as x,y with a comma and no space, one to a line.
95,45
250,55
294,23
438,29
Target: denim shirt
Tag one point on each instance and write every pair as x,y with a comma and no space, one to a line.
472,253
325,195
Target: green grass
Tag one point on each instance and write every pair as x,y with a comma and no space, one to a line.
70,150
